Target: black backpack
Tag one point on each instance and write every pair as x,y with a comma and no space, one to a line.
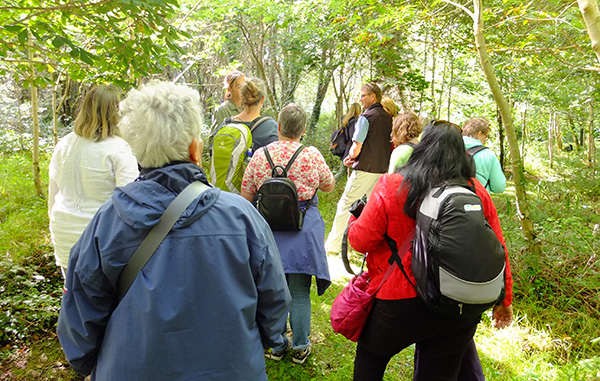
277,198
341,139
472,151
457,260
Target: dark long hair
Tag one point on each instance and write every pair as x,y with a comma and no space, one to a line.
440,157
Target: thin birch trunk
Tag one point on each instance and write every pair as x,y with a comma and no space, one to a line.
36,123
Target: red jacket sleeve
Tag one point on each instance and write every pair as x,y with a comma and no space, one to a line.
491,214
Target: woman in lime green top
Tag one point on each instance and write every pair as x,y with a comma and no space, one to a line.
405,133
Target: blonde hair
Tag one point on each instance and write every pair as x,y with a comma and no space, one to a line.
253,90
475,125
98,115
406,127
353,112
389,106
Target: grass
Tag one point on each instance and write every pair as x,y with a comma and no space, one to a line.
557,294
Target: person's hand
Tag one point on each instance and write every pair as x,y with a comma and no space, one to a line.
348,161
502,316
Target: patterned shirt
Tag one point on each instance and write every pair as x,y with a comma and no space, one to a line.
308,172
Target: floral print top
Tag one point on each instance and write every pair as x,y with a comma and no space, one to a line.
308,172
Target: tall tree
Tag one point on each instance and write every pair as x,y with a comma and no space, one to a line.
591,16
505,110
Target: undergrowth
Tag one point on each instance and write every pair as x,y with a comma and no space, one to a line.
556,293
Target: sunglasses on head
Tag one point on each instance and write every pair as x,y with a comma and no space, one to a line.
438,122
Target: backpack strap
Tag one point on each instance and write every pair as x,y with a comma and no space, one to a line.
411,145
395,257
259,122
475,149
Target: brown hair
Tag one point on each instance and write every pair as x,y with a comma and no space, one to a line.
475,125
99,113
253,90
406,127
231,77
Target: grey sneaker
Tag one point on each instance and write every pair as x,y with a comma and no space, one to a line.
301,356
277,356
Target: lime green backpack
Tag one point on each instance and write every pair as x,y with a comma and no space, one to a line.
231,147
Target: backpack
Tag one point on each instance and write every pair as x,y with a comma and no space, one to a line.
231,146
277,198
341,139
457,261
472,151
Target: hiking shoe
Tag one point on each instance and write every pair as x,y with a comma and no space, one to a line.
301,356
277,356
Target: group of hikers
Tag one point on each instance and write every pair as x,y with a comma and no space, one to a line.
219,279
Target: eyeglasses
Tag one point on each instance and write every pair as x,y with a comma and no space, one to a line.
438,122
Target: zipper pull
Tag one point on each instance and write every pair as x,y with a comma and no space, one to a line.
460,305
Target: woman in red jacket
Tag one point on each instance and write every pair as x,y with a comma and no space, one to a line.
399,317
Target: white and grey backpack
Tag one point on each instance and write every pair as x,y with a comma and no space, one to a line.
458,262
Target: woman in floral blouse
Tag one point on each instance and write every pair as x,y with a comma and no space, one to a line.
302,252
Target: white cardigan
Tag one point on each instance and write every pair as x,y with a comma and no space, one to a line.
82,176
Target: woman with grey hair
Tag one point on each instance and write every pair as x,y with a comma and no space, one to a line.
303,251
212,294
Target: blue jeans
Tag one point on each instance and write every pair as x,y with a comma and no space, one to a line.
299,286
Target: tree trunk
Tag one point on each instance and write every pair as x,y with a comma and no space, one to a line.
591,16
501,138
558,133
322,86
551,140
434,56
424,71
524,132
573,131
56,108
513,144
450,86
591,145
35,159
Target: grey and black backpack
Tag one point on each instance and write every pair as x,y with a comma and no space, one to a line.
457,261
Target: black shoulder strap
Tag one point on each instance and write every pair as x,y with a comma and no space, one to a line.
473,150
294,156
395,257
268,157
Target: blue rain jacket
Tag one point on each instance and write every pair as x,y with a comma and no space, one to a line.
203,308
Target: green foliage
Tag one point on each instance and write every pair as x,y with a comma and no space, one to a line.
30,286
114,41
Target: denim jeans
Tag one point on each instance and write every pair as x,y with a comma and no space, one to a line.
299,286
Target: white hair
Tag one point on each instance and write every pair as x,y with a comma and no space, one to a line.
159,121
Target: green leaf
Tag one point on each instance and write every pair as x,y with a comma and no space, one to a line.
58,41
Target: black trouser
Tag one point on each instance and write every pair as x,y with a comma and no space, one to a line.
393,325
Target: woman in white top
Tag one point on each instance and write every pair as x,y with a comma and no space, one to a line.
85,168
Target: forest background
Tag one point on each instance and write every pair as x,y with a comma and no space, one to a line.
530,68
